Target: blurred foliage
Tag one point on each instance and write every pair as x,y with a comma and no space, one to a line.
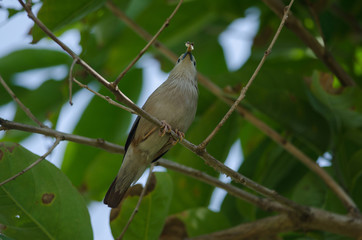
294,93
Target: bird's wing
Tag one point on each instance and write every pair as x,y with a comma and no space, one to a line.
131,134
163,150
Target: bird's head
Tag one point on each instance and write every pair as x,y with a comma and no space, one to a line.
186,63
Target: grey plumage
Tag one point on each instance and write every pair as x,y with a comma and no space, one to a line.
175,102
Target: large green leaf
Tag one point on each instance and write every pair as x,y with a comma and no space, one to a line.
56,14
29,59
345,108
40,204
150,218
310,191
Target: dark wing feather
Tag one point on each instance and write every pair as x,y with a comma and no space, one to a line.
131,134
163,150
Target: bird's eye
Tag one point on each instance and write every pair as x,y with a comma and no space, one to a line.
194,63
178,60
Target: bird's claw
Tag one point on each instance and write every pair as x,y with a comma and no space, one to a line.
180,135
165,128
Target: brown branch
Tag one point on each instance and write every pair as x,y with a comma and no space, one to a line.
287,145
135,211
267,228
243,91
262,203
165,24
33,164
70,79
321,52
100,143
21,105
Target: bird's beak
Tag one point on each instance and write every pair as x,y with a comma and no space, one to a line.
186,53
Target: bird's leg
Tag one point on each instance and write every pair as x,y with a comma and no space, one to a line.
149,133
165,128
180,135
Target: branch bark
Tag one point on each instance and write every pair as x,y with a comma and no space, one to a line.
270,226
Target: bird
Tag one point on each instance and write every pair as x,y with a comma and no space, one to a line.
174,103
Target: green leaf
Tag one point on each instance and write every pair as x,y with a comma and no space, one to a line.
57,14
40,204
53,92
151,216
29,59
202,221
3,237
310,191
345,108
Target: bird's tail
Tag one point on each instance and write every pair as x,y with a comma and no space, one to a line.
127,175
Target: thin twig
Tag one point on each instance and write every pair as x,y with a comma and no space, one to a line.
70,78
165,24
267,130
243,91
263,203
95,142
138,203
33,164
21,105
108,99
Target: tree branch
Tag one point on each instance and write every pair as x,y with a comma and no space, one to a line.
271,226
100,143
262,203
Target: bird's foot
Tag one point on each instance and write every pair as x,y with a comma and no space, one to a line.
180,135
165,128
